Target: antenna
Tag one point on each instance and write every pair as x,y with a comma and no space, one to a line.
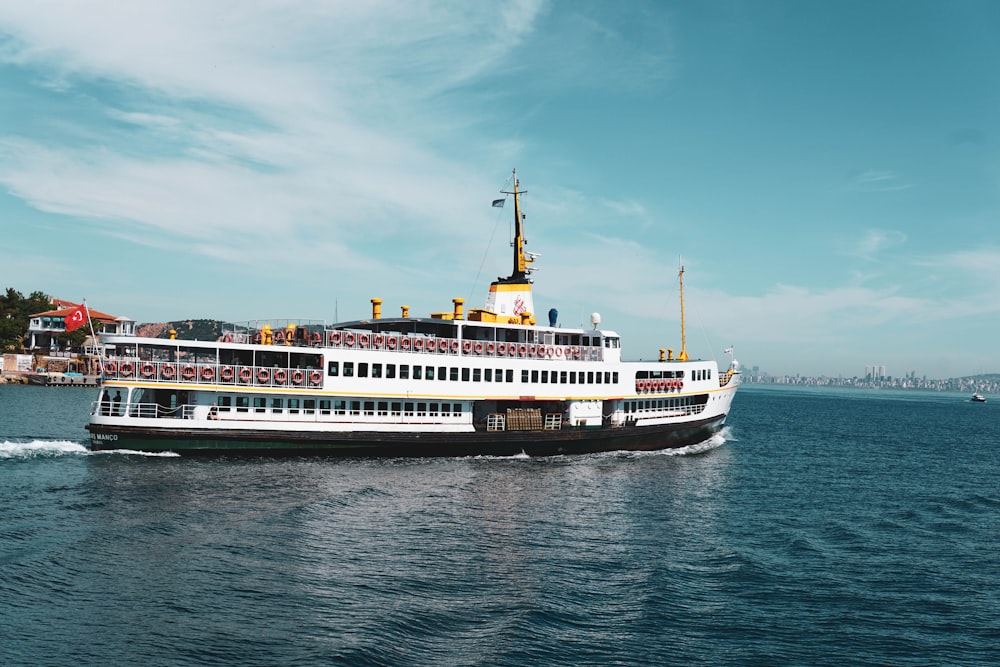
683,356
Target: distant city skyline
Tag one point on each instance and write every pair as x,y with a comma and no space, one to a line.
827,179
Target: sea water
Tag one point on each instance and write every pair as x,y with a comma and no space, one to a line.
822,528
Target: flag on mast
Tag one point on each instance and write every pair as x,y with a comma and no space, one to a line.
77,318
498,203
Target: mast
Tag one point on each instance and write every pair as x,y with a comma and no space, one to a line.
520,261
683,356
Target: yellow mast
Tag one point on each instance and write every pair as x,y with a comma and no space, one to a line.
683,356
520,261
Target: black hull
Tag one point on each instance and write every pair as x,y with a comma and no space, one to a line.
194,442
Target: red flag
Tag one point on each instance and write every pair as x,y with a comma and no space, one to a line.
76,319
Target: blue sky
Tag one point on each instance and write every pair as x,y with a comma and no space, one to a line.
827,171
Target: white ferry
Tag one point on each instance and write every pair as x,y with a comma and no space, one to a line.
492,381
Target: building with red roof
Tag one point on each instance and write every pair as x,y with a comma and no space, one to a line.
44,328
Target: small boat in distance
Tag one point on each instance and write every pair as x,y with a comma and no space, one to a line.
978,398
489,381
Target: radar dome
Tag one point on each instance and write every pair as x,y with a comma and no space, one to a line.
595,319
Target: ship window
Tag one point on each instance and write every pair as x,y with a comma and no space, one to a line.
488,374
446,408
324,406
572,377
408,409
562,377
534,376
421,409
376,370
258,403
404,372
477,375
333,369
433,409
339,406
453,374
456,409
509,378
545,377
390,371
597,377
499,375
293,405
418,372
590,377
465,374
429,373
309,406
369,408
242,403
383,408
363,369
277,404
524,375
614,377
348,369
225,401
396,408
442,372
355,407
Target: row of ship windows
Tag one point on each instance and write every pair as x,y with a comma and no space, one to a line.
658,404
339,406
453,373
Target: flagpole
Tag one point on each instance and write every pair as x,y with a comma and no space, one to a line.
93,337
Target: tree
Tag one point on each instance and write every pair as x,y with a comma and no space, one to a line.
15,311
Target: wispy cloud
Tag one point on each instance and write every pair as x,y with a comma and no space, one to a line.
874,180
875,241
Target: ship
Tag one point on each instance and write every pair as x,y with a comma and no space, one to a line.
488,382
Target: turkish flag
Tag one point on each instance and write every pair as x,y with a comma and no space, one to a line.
76,319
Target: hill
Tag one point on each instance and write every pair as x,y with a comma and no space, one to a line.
186,329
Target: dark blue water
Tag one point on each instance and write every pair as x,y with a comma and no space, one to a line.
826,528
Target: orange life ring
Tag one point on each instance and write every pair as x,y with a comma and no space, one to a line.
168,371
246,374
227,374
363,340
405,343
297,376
576,353
147,370
263,375
316,337
227,337
478,347
280,376
432,344
334,338
207,373
454,347
125,369
392,342
418,343
257,338
349,339
512,350
680,384
279,336
558,351
549,351
188,372
522,349
501,349
315,377
490,348
378,340
466,346
110,367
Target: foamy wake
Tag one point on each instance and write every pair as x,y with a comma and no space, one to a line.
54,448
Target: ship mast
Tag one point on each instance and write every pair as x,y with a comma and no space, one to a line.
683,356
520,261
